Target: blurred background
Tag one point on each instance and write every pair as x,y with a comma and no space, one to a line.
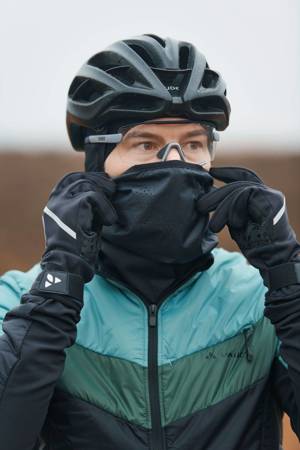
254,44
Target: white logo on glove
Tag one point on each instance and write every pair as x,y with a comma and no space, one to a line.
51,280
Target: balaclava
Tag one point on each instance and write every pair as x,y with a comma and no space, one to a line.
160,239
96,154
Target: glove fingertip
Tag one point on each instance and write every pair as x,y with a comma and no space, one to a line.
215,225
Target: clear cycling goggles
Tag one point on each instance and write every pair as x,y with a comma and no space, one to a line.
198,149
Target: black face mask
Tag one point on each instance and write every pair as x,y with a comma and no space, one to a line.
160,237
158,218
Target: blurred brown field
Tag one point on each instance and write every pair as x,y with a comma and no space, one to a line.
27,179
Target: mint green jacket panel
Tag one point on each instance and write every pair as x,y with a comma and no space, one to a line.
114,322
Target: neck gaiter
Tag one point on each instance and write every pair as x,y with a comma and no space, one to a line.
160,239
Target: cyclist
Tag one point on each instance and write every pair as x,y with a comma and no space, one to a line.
134,331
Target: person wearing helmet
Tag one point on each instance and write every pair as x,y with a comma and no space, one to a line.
135,331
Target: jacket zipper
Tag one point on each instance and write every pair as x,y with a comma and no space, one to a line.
157,435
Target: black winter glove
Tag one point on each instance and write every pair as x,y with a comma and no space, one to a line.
257,220
78,206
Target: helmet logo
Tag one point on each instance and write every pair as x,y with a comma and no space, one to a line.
173,88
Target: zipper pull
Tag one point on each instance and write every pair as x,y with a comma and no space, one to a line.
249,354
152,315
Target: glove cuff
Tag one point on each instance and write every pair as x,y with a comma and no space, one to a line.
283,275
57,282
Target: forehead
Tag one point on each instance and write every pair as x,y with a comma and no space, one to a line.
165,127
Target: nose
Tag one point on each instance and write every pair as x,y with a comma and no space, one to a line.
171,151
173,154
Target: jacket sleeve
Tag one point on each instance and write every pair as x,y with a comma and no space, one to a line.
35,332
282,307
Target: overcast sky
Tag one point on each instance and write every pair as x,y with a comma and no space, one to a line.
254,44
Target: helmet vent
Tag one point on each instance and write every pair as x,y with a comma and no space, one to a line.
135,103
210,79
75,85
211,109
129,76
184,53
211,103
122,73
142,53
157,38
106,60
88,91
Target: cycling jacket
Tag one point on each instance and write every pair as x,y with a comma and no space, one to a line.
212,367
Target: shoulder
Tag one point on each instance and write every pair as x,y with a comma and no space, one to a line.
225,259
237,286
230,267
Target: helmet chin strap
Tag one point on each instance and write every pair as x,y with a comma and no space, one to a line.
163,153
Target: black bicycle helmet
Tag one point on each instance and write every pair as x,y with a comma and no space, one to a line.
143,78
